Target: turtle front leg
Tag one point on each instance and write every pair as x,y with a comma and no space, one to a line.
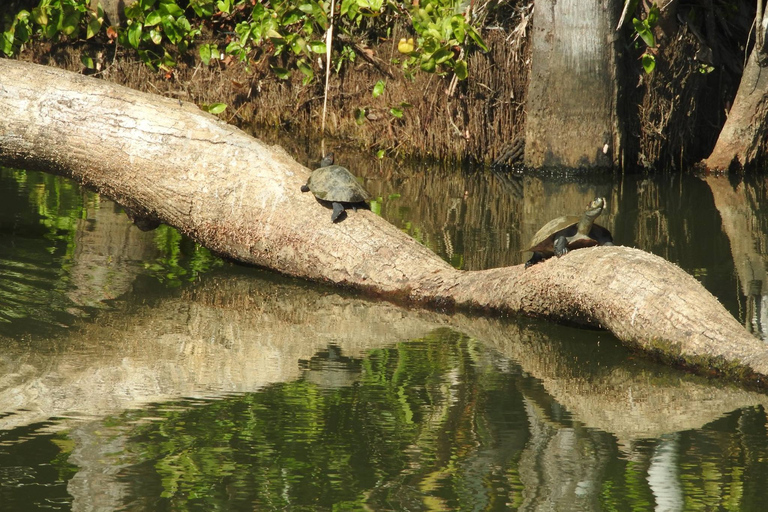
561,246
338,209
535,258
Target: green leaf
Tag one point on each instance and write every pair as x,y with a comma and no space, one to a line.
305,68
70,23
428,65
317,47
653,16
224,5
292,17
93,27
40,16
170,8
360,116
205,53
649,62
457,26
203,8
171,32
644,31
87,61
397,112
215,108
153,19
442,55
378,89
134,11
155,36
281,73
6,43
168,60
476,38
460,68
134,34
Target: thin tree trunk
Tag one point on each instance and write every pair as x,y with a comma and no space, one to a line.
742,140
241,198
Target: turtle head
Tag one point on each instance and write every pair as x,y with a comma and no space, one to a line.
595,208
327,160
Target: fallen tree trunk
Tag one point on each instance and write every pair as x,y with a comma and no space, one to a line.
242,199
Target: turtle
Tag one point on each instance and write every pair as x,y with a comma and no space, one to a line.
570,232
336,185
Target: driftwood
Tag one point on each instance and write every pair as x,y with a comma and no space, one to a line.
241,198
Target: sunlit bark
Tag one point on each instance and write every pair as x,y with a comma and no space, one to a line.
572,93
742,140
241,198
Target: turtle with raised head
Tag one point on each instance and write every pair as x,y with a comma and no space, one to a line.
569,232
334,184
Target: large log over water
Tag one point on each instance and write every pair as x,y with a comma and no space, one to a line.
241,198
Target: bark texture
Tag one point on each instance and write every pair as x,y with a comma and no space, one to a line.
241,198
571,111
742,140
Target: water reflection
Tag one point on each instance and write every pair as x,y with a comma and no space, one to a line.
237,389
407,409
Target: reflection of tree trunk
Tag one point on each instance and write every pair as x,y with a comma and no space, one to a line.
109,253
571,111
742,229
561,467
242,199
664,476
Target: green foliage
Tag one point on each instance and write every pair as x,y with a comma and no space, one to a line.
290,34
52,19
644,30
152,23
443,33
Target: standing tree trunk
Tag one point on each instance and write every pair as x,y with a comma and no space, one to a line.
232,193
572,94
742,140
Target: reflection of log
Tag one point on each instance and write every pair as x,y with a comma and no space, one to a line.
240,334
241,198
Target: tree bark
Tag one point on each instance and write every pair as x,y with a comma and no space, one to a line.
741,142
242,199
572,108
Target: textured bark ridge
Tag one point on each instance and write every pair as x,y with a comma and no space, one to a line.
241,198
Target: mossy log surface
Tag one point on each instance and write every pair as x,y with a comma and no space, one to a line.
242,199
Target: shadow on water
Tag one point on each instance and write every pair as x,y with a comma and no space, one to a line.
172,382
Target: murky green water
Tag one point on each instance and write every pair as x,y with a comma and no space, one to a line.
140,373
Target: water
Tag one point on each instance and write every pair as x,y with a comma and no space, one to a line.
138,372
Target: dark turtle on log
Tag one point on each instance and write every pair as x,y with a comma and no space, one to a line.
334,184
570,232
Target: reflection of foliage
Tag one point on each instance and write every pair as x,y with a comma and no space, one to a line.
183,260
412,415
39,244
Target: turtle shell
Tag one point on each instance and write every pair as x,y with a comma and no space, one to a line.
335,183
544,239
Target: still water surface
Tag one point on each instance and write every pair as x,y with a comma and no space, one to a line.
138,372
